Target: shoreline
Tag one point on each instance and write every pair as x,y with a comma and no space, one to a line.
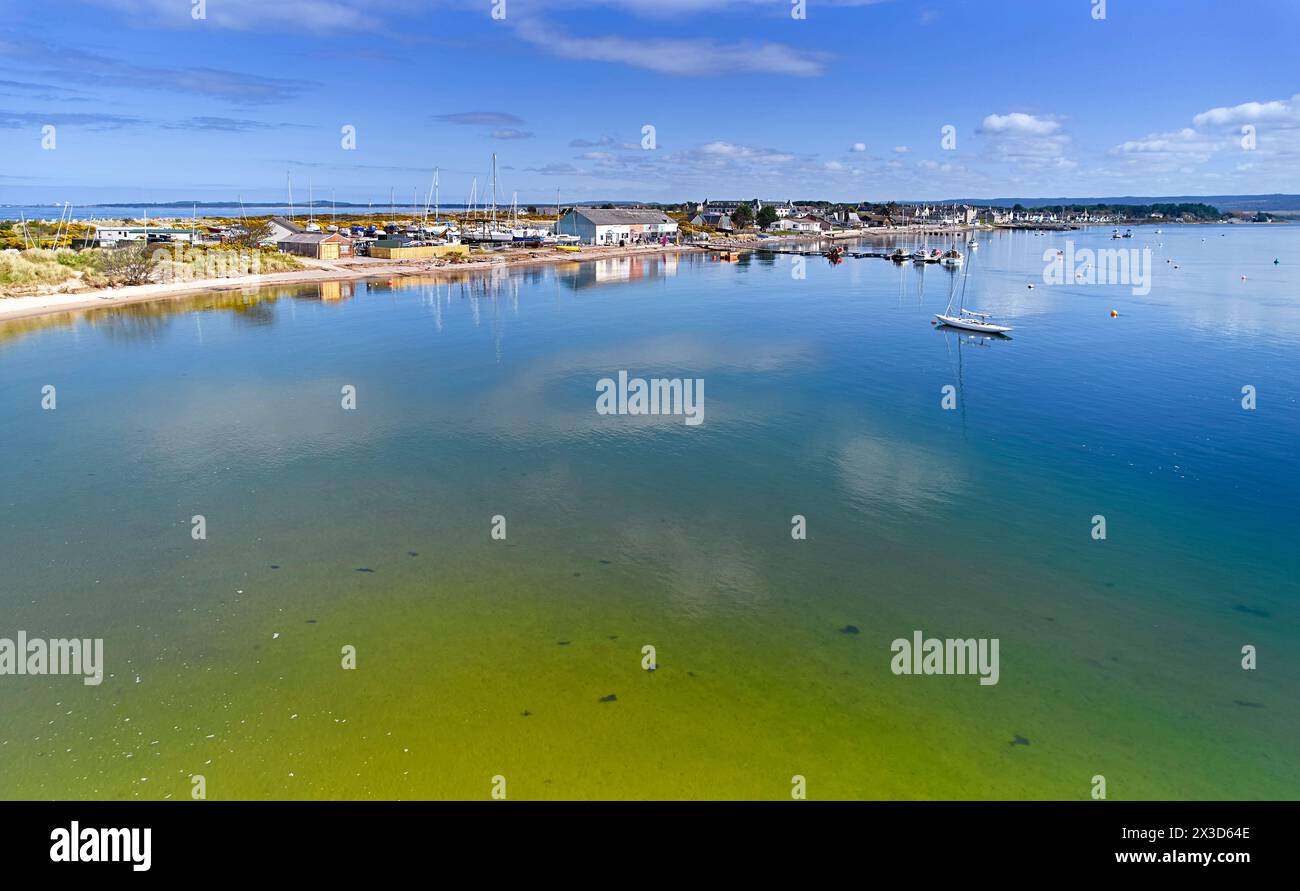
316,271
366,268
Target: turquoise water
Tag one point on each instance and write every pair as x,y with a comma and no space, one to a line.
476,398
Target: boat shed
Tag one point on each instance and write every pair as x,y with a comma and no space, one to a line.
618,225
320,245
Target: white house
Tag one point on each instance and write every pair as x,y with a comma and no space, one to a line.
799,224
619,225
111,236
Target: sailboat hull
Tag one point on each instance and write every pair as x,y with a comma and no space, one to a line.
967,324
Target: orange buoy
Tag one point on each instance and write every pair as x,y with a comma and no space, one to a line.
1113,314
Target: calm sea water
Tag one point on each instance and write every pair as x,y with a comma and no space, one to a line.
478,658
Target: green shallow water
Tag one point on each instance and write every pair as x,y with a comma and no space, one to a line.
476,398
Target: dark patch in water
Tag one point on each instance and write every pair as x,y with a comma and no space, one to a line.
612,637
849,629
413,553
311,621
576,574
691,673
364,569
274,566
1253,611
606,562
563,643
1244,704
1018,741
525,713
610,698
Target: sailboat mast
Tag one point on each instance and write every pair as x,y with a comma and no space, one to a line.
494,190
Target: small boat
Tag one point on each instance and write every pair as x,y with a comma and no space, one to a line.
899,255
567,247
969,320
952,258
835,254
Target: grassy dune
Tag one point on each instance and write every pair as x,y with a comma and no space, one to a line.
37,271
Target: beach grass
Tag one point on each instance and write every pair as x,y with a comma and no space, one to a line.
39,270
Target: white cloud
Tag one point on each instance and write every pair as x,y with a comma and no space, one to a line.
1216,134
859,146
1186,141
249,15
1019,124
1025,139
1283,111
700,57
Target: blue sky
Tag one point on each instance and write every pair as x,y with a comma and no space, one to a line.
849,102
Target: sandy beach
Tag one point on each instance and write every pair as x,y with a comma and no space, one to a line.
315,271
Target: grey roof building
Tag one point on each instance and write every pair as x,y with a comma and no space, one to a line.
612,225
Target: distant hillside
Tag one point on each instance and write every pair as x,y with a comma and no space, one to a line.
1272,203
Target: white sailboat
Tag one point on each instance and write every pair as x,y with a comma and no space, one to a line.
969,319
